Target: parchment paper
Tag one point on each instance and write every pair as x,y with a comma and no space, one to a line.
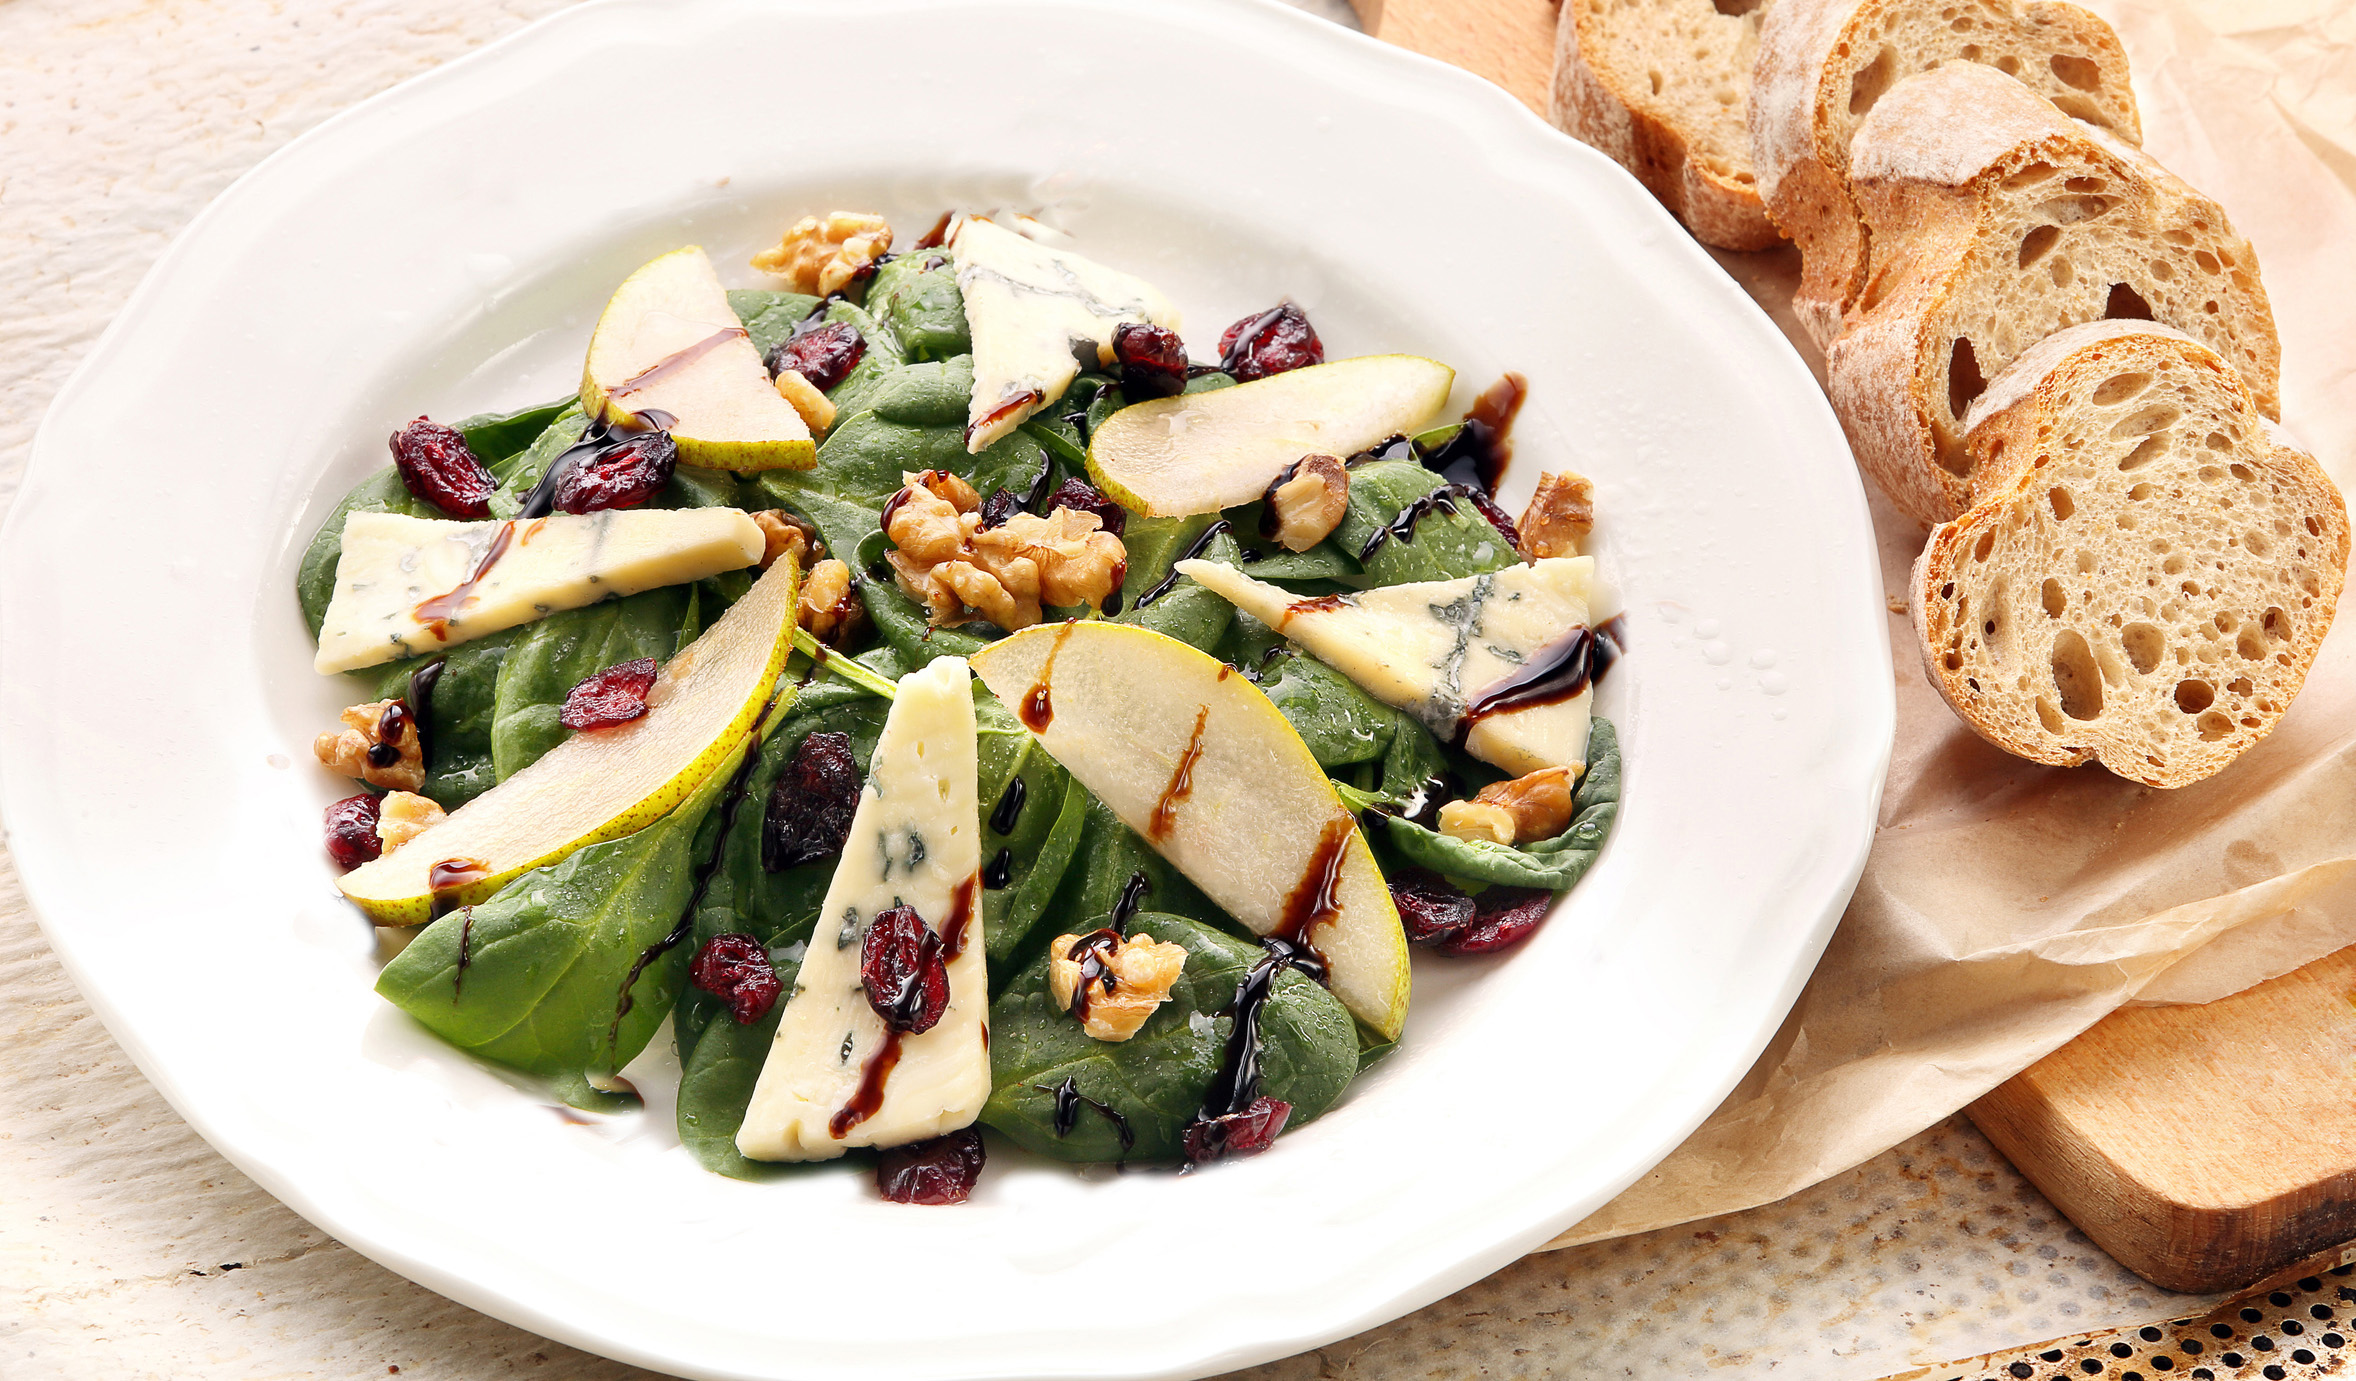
2008,906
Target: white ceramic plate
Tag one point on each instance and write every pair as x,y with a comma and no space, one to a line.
445,247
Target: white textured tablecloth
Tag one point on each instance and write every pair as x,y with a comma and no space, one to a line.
128,1248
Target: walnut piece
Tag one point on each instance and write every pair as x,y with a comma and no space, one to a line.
1139,972
820,255
816,409
402,816
1306,502
1528,808
348,752
830,608
1476,820
1560,515
787,534
948,561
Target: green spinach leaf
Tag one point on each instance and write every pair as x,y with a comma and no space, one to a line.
1156,1079
1445,546
769,316
716,1081
916,297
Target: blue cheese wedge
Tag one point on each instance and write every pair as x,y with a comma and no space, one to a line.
1035,313
406,585
835,1076
1433,647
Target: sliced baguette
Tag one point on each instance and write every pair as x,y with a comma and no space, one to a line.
1661,86
1997,221
1823,64
2147,570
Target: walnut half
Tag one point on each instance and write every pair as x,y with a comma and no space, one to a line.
1528,808
1305,503
830,608
1560,515
403,815
821,255
353,752
1128,977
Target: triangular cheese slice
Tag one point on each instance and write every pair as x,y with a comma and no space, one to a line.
1034,312
836,1077
406,586
1433,647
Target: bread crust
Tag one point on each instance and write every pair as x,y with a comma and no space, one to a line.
2207,579
1598,105
1820,67
2000,229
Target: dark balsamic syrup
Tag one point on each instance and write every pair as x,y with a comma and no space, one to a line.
1040,487
1093,953
1193,550
677,360
387,749
1133,894
868,1098
1068,1102
1038,708
1556,672
939,234
1476,457
1316,898
540,500
1402,527
960,922
1008,813
1165,810
421,704
1238,1081
437,612
999,871
1007,407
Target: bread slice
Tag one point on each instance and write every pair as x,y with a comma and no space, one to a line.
1997,221
2147,570
1823,64
1661,86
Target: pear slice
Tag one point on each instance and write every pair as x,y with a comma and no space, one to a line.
1196,760
915,840
1201,452
1432,648
1033,312
669,342
602,784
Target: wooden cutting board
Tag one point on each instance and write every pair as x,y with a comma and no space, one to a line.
2205,1148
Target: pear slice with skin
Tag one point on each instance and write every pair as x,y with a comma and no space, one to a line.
1201,452
669,342
1194,758
1431,647
600,784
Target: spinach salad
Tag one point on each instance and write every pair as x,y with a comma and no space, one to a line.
951,705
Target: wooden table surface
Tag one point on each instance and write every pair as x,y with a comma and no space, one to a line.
128,1248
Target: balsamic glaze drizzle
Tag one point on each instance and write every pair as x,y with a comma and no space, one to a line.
1403,527
1238,1081
1556,672
421,704
1009,811
1090,951
1068,1102
1133,893
1194,549
540,501
999,871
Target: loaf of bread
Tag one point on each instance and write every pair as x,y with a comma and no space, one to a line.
1822,65
1996,221
1661,87
2146,571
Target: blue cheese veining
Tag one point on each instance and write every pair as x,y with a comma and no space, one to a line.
1035,313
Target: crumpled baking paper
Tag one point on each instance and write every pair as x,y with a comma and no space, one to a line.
2007,906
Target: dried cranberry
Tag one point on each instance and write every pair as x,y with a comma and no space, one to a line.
825,354
810,807
735,968
1245,1133
1271,342
1153,360
623,475
1000,506
1081,495
351,831
939,1171
1431,907
438,467
613,696
1507,916
901,967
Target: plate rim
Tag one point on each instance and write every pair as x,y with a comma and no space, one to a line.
1499,114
